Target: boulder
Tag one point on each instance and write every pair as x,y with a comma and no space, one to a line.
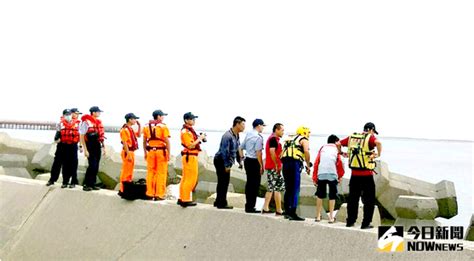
205,189
13,161
233,199
9,145
470,230
416,207
17,172
341,215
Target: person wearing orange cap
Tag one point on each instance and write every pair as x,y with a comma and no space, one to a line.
128,136
191,143
156,146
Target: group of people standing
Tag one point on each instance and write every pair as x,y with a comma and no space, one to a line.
282,163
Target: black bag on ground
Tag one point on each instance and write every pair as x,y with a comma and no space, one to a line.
134,190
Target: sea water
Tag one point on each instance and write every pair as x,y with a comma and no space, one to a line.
428,160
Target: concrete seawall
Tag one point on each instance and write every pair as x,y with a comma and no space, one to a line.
49,223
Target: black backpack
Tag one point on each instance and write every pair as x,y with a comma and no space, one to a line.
133,190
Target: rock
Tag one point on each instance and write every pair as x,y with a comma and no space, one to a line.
341,215
13,161
470,230
233,199
407,223
205,189
17,172
416,207
389,186
9,145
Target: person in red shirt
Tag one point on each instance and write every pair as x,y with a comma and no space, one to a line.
276,183
361,160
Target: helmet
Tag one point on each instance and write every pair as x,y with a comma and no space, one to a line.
303,131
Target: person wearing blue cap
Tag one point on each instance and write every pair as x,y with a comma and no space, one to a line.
253,163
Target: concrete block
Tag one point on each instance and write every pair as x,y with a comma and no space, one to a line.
13,161
407,223
470,230
205,189
17,172
9,145
416,207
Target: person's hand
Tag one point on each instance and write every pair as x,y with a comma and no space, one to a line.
240,165
308,170
315,183
374,155
57,141
81,149
104,152
144,156
261,171
277,170
227,170
202,137
129,157
86,153
339,180
345,155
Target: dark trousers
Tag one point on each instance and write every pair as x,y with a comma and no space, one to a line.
292,174
65,158
252,169
361,186
95,152
223,179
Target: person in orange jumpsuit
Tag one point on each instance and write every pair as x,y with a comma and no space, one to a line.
156,146
191,143
128,136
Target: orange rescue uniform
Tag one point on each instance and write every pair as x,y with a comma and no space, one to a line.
127,165
190,165
157,159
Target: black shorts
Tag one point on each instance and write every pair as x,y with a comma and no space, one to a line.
322,184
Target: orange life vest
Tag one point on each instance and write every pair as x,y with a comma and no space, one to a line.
95,127
69,131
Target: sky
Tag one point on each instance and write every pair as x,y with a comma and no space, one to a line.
407,66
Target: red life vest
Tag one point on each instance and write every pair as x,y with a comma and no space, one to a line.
197,148
268,158
95,126
133,137
69,131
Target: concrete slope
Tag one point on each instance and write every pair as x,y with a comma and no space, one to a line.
77,225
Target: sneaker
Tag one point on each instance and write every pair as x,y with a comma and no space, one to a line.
367,227
86,188
64,186
188,204
225,207
72,186
266,212
49,183
179,202
95,188
349,224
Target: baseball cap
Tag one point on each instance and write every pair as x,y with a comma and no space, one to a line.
159,113
75,110
189,116
95,109
66,112
131,116
257,122
370,126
